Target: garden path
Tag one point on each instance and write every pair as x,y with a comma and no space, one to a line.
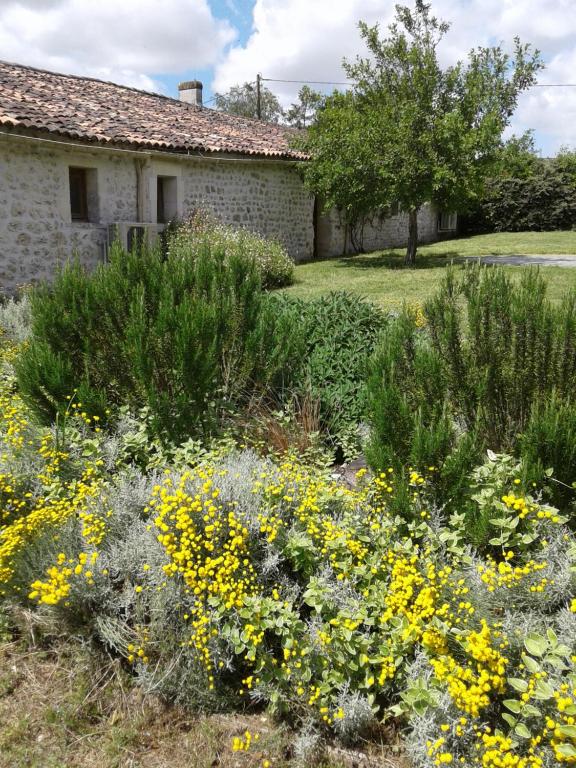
518,260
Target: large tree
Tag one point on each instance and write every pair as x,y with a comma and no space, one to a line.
243,100
302,113
410,131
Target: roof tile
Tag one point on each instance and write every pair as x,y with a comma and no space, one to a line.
94,110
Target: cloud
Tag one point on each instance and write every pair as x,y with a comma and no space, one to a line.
551,111
127,42
297,39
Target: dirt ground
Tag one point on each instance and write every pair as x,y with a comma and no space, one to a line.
64,706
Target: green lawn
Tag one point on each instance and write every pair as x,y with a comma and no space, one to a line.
381,276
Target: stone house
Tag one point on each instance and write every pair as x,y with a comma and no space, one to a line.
83,161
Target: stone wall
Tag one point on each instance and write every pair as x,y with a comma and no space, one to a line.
378,234
37,232
270,200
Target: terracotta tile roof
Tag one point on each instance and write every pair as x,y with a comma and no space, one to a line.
83,108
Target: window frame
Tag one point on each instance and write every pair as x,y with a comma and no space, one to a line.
167,195
78,182
450,218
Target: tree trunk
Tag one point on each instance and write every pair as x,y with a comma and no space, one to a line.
410,258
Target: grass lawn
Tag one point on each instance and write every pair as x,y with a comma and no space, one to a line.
381,276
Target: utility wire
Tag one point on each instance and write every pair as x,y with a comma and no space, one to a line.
312,82
350,82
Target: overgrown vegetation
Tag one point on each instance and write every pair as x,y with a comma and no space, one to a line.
200,230
227,581
184,337
195,341
494,368
435,598
340,332
525,192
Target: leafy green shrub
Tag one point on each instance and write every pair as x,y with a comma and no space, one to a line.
184,336
527,192
495,368
542,202
340,332
187,238
549,442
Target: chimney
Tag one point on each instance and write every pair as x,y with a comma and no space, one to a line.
191,92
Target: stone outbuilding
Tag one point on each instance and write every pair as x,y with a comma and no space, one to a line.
83,161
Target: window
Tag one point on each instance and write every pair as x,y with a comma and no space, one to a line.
83,194
78,194
166,199
447,222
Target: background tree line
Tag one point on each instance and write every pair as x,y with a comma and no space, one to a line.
242,100
524,191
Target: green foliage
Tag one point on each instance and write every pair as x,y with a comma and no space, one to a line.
186,337
411,132
517,158
242,100
546,200
189,237
495,368
302,113
524,192
565,162
340,331
499,519
549,442
218,579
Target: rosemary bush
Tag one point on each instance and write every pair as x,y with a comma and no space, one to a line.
494,368
186,337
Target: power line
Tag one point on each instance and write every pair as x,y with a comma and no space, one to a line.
311,82
350,82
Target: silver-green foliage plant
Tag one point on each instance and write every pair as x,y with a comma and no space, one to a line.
15,319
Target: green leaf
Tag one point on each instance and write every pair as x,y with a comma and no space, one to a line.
529,710
552,637
543,691
518,684
535,644
566,750
531,664
562,650
522,731
513,705
569,731
510,719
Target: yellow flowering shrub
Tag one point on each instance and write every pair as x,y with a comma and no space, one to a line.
227,579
